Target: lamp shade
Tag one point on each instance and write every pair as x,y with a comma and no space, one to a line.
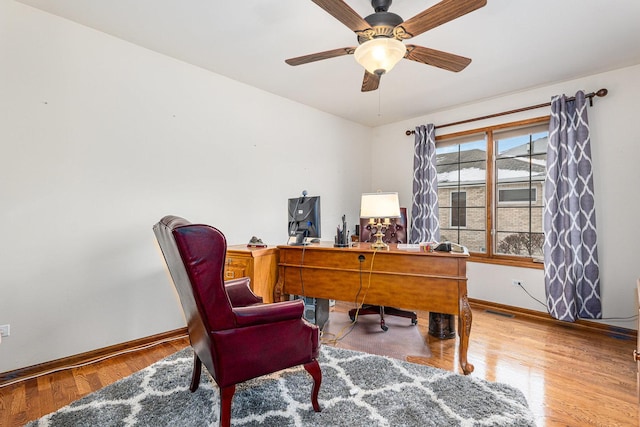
379,56
380,205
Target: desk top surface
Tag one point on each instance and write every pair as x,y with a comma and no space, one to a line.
366,247
251,250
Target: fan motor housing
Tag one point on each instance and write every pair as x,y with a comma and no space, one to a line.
382,23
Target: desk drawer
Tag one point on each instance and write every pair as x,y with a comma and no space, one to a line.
235,267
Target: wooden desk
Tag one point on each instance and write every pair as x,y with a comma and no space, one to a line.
259,264
435,282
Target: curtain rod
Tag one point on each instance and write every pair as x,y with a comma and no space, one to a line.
599,93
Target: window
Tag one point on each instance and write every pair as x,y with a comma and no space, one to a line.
490,189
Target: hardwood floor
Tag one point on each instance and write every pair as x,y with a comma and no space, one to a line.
570,376
31,399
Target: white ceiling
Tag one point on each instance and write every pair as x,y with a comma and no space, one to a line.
514,44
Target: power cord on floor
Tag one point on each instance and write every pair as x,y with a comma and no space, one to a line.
89,362
339,336
602,318
301,264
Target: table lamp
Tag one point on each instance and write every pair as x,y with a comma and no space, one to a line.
379,208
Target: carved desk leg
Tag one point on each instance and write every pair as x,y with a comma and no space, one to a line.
279,286
464,329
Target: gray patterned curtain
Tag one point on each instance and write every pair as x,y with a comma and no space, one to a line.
424,211
572,279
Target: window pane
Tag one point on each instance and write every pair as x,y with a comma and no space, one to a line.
459,209
462,180
523,244
473,240
520,168
473,236
521,219
463,172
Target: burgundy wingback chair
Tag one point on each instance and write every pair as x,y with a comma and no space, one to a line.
235,336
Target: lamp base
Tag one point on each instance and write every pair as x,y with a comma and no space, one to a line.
379,244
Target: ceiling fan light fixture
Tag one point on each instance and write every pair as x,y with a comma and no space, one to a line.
380,55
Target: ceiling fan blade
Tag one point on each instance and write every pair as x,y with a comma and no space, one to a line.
370,82
320,56
343,13
440,13
437,58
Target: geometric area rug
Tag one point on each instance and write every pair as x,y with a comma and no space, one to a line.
358,389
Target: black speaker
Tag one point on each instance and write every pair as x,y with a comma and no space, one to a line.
316,310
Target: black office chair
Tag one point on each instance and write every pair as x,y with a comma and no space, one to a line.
395,233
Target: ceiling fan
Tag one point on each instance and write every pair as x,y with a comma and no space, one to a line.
380,37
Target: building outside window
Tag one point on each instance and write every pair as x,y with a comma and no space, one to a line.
459,209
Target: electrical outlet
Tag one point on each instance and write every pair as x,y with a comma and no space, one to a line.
516,282
5,330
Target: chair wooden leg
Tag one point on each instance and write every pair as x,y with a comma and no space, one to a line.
195,376
314,370
226,396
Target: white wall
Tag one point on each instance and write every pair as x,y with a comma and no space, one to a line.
615,150
100,139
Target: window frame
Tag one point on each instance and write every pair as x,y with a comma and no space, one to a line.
491,199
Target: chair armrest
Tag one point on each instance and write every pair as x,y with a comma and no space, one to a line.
240,293
269,313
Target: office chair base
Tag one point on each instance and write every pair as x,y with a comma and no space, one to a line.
382,310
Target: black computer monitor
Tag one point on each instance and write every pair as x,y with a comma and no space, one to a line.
304,218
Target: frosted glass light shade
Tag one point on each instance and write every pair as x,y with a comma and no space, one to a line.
380,205
379,56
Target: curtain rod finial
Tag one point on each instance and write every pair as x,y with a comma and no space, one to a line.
409,132
602,92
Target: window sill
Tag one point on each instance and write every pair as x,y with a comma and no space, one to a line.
523,263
